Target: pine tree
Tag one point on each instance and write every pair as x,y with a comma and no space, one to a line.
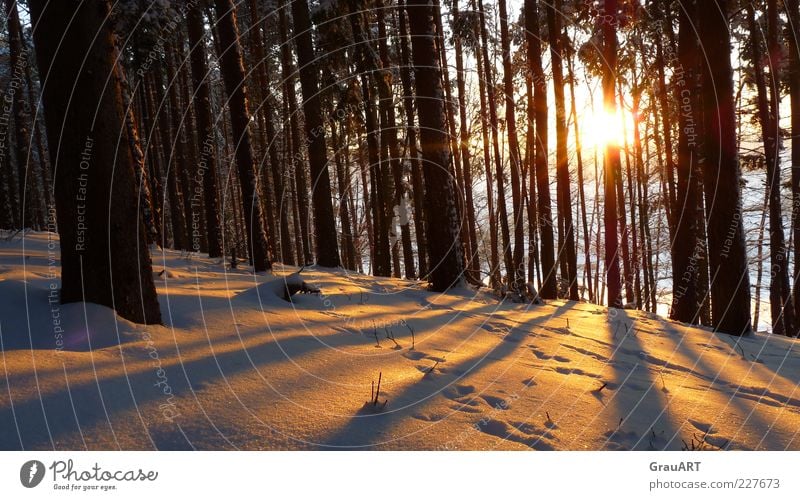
444,246
104,256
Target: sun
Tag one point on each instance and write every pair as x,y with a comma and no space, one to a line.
602,128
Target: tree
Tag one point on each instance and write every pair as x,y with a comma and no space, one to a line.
569,260
93,150
684,289
234,79
207,163
516,280
544,207
444,246
781,305
611,160
730,281
326,240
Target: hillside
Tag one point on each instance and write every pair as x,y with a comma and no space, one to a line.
237,367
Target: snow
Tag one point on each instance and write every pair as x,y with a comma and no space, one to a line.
237,367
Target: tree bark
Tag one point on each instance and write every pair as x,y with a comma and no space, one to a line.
544,204
233,75
730,281
104,254
207,169
325,237
444,245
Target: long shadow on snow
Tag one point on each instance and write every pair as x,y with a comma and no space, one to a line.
362,431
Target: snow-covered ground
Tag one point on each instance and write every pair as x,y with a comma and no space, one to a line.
236,366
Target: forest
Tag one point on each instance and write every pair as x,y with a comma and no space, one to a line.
635,158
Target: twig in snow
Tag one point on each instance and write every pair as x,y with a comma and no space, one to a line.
390,336
412,333
600,389
430,370
375,334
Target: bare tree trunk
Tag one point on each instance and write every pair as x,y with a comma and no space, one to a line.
544,207
494,125
411,138
768,115
730,282
444,245
234,78
295,164
516,280
612,161
102,263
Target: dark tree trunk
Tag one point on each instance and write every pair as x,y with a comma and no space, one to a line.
444,244
564,198
325,237
612,161
295,164
498,161
494,257
267,132
517,280
581,192
104,255
793,41
389,136
474,264
768,116
233,75
730,281
29,189
207,162
411,138
684,270
544,206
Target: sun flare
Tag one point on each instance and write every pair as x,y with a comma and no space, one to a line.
604,127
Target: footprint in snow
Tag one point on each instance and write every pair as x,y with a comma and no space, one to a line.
497,402
504,431
703,427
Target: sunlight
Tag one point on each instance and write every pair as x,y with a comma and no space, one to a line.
602,127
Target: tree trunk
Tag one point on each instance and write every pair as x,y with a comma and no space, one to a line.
411,138
104,255
564,196
233,75
498,161
474,263
684,270
730,281
793,41
444,245
517,280
325,237
207,165
544,206
295,164
768,116
611,161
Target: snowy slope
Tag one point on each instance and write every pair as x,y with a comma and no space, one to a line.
236,366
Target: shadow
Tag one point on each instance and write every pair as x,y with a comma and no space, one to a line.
634,403
364,430
736,392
